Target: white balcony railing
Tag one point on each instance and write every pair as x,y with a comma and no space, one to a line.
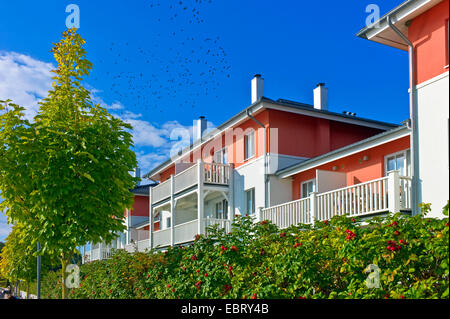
223,223
185,232
161,238
391,193
362,199
291,213
211,173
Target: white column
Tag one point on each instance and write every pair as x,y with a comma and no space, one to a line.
260,214
150,219
231,195
393,191
100,249
127,232
313,207
200,177
172,211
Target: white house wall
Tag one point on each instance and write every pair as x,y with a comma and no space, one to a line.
280,190
247,176
433,117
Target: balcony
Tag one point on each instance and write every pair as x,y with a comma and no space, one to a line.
386,194
207,173
183,233
97,252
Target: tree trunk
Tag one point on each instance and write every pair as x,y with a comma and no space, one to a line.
63,270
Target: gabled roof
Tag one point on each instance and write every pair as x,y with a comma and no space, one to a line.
266,103
380,31
348,150
143,190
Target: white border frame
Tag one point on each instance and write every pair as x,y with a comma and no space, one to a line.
405,153
314,180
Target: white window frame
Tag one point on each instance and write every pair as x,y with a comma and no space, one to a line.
306,182
407,161
224,204
221,157
253,201
246,153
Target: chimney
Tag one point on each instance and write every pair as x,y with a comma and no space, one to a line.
199,128
137,173
321,97
257,88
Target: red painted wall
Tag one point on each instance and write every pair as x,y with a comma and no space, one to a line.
300,135
429,34
140,206
358,170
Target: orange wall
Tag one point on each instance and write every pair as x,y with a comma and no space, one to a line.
165,175
429,35
358,171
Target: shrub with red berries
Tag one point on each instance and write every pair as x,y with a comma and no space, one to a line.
305,261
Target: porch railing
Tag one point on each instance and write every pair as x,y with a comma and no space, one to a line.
223,223
185,232
161,238
365,198
292,213
391,193
212,173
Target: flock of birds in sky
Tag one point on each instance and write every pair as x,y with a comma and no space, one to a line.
176,68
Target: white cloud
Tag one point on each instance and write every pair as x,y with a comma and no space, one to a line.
24,80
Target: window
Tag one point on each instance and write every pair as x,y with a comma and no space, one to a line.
221,156
221,211
308,187
168,222
398,161
250,201
249,145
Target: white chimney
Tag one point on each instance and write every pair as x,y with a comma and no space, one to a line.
257,88
321,97
200,126
137,173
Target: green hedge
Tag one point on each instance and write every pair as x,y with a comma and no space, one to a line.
257,260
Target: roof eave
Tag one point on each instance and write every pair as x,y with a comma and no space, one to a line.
380,32
370,142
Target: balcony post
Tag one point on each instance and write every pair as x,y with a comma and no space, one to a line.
172,211
200,178
231,194
100,250
127,234
313,207
151,226
394,191
260,214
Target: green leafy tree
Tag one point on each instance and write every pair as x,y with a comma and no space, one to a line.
66,175
17,261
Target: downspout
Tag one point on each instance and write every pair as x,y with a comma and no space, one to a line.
414,122
266,189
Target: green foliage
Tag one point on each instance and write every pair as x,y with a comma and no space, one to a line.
16,259
257,260
65,176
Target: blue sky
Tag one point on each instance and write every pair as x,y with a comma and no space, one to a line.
160,64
